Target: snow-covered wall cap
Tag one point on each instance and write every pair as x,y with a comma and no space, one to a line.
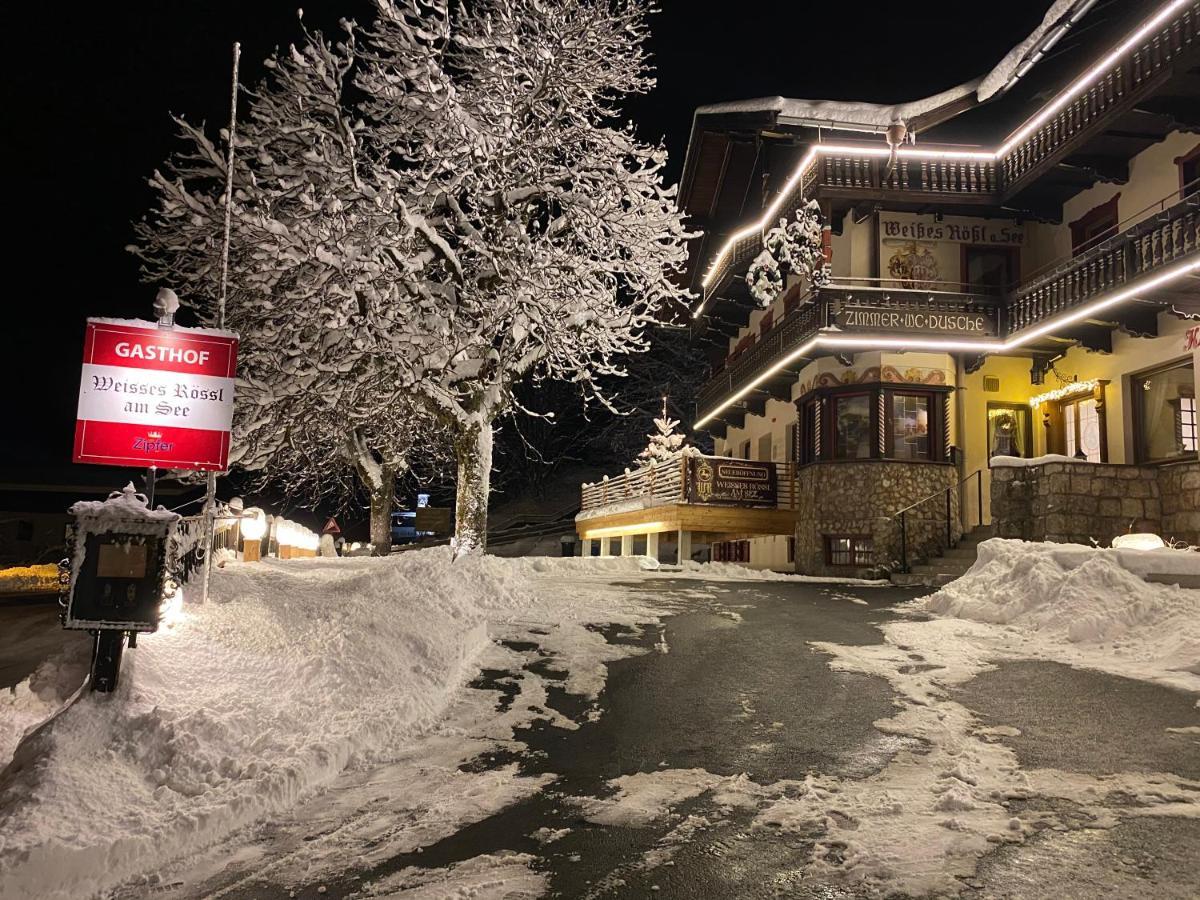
122,506
143,323
1020,462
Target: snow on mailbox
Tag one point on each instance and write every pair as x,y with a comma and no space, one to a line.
119,550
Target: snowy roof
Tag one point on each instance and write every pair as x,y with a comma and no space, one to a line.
857,116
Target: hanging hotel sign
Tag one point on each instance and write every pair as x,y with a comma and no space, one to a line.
151,396
731,482
914,320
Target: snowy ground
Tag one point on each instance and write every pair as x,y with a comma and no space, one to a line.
223,771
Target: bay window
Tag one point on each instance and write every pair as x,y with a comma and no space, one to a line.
880,421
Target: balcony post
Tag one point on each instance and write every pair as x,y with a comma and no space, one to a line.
652,545
627,545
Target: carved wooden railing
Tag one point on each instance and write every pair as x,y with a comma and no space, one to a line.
791,332
1150,245
1136,72
934,176
1136,75
664,483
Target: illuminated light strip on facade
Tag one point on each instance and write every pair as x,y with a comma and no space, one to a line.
1070,92
869,342
622,530
1081,83
1067,390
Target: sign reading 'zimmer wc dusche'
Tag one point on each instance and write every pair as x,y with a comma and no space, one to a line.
915,321
152,396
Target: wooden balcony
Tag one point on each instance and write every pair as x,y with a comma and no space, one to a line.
656,498
1150,246
1141,98
820,309
1120,90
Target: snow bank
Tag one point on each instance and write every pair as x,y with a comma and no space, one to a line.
29,580
1080,594
226,716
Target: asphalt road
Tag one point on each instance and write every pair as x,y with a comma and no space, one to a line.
752,696
30,633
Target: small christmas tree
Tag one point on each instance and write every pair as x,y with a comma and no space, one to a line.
665,442
791,248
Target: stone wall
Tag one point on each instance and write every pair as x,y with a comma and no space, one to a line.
1078,502
861,498
1179,489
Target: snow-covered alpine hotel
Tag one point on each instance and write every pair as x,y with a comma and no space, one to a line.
1014,272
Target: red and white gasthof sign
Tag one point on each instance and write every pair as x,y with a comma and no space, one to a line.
152,396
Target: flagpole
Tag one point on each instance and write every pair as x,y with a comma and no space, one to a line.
210,497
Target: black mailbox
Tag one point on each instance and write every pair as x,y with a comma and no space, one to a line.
119,552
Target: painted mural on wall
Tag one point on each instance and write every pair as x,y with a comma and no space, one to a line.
874,375
922,253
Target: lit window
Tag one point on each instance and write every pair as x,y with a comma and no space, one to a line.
852,419
910,426
849,550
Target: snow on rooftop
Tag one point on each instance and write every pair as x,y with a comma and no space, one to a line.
860,115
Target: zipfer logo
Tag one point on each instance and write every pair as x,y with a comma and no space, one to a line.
152,442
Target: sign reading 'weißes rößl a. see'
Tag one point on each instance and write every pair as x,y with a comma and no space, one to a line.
731,482
864,317
151,396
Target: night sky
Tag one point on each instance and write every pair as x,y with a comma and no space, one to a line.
89,91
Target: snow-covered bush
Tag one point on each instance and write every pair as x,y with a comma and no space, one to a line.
791,248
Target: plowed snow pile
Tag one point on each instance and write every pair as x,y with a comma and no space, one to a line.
1082,595
293,671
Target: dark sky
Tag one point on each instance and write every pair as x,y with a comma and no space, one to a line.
89,90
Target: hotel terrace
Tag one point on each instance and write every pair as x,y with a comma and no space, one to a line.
1014,276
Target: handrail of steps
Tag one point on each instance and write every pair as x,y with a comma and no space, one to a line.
902,515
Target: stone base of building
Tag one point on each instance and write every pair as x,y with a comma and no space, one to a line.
1078,502
860,500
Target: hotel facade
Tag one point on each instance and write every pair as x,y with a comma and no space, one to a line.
1008,334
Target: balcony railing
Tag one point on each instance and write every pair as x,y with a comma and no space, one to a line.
1136,75
820,309
664,484
791,332
1136,72
1152,244
931,176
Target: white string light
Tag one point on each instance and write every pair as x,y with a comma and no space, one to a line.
868,342
1067,390
1032,124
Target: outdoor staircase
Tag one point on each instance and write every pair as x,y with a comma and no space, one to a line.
942,569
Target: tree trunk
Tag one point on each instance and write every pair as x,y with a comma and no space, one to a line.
382,501
473,452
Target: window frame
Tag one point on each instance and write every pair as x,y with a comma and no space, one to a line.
1084,235
1182,162
818,410
1056,432
1028,430
856,552
1139,411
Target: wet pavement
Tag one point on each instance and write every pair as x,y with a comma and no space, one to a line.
29,634
1079,720
733,686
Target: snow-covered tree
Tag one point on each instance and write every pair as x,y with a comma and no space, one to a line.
545,239
476,217
317,394
791,248
665,441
